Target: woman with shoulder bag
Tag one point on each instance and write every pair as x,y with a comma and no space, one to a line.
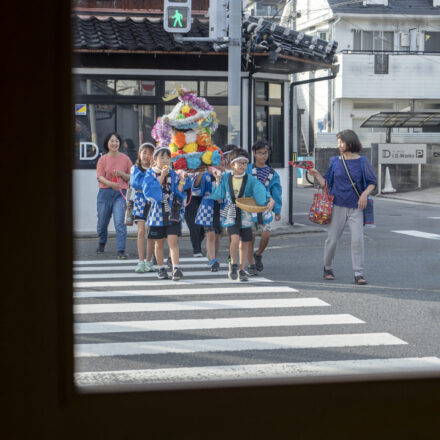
345,179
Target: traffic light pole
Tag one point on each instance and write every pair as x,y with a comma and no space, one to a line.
234,64
234,72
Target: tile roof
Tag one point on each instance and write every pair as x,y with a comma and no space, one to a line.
406,7
127,34
133,34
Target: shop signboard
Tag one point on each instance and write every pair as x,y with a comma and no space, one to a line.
402,153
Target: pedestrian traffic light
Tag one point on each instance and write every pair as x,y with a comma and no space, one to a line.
177,16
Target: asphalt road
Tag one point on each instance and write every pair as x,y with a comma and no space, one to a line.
188,331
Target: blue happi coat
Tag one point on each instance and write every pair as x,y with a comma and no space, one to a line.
253,188
205,213
136,181
274,190
153,192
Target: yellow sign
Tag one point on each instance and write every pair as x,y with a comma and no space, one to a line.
80,109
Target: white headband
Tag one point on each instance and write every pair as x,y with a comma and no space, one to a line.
240,158
158,149
147,144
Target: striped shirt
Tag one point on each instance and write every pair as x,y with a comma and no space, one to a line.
262,173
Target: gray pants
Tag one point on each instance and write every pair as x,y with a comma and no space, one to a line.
355,220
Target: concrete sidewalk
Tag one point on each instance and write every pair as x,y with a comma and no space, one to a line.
429,196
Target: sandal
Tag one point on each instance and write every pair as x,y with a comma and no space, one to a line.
328,274
360,280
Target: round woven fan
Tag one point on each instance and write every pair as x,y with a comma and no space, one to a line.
248,204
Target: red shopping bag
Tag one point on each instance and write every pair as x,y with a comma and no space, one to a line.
321,210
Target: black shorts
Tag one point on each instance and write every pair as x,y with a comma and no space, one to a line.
244,233
159,232
216,228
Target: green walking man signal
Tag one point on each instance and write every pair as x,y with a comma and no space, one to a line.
177,19
177,16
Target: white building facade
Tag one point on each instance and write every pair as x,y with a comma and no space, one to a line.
389,60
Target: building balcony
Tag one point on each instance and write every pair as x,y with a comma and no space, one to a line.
388,75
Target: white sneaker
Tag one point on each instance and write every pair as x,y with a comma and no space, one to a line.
140,268
149,267
199,255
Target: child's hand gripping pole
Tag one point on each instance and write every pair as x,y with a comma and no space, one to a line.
214,171
182,174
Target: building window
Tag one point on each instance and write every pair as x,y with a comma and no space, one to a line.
130,107
373,40
213,88
135,87
132,121
170,86
264,9
432,41
269,117
379,106
381,62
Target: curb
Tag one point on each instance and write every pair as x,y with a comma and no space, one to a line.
404,199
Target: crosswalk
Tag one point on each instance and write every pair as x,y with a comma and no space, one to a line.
419,234
135,329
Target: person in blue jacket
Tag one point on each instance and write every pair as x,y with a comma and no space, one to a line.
142,206
271,180
230,187
164,188
347,206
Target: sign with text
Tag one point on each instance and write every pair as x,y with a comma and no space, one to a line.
402,153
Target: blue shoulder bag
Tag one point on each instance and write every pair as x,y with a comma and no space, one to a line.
369,209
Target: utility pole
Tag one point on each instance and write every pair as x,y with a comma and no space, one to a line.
218,22
234,71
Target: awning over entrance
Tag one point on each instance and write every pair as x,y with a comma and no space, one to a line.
403,119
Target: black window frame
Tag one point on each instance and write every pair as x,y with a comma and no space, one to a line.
156,100
270,102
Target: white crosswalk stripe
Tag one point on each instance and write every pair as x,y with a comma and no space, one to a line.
198,305
131,267
197,324
131,262
106,276
419,234
206,313
159,283
237,344
237,290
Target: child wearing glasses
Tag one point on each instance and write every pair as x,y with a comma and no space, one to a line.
271,180
238,223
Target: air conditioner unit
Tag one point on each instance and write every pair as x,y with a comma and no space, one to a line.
404,39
